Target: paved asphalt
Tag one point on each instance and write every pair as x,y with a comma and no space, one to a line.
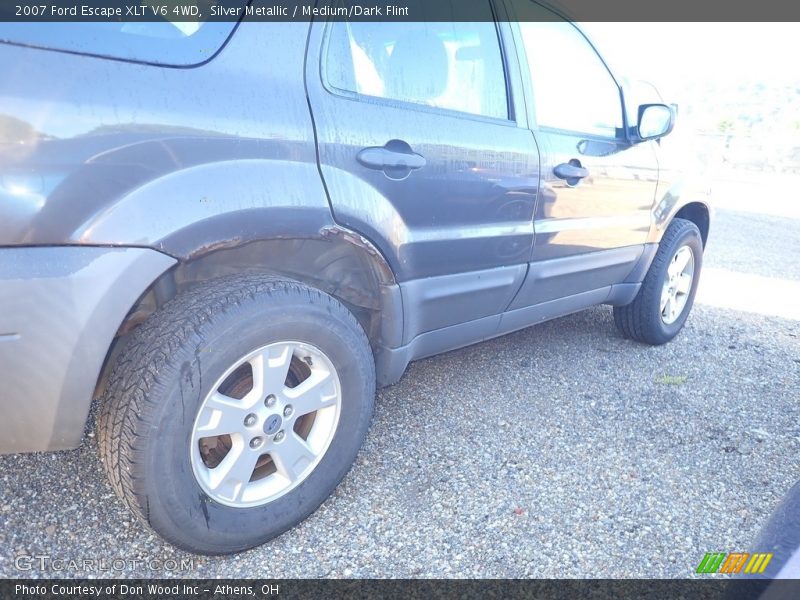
560,450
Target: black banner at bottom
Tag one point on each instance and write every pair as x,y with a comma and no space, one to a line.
249,589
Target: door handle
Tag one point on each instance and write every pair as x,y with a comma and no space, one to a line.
572,172
396,159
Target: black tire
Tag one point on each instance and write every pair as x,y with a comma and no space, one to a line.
641,319
162,376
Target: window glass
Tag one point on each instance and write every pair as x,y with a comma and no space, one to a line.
572,89
457,66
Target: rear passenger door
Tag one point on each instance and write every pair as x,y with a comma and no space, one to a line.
424,148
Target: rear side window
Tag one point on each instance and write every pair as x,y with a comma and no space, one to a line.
164,42
457,66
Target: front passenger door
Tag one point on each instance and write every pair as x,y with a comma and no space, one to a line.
594,210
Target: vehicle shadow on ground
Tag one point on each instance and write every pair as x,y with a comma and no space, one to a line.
559,450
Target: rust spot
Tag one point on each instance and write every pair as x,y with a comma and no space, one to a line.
133,321
364,243
214,246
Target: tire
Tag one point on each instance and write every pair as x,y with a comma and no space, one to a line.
163,393
643,319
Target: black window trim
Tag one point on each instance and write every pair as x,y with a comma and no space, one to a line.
125,59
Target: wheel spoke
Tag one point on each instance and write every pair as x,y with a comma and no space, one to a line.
230,478
270,369
684,283
682,259
315,393
673,312
292,456
673,269
665,296
667,310
220,415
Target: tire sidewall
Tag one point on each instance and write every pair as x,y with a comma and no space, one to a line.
175,500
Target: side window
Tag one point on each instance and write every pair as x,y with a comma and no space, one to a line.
457,66
572,89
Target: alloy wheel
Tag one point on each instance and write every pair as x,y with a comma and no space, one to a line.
266,424
677,285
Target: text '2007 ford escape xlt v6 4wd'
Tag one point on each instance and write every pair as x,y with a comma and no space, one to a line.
230,234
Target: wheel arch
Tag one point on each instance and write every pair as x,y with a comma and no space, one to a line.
265,215
699,214
692,205
335,260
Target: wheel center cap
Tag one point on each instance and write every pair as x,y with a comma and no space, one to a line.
272,424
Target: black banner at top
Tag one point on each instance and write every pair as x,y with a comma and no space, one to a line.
32,11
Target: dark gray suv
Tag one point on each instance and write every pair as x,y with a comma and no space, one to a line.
229,234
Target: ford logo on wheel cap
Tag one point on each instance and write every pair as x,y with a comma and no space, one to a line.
272,424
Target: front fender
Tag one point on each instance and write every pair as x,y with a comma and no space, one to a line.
678,195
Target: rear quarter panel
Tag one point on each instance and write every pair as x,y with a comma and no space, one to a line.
97,151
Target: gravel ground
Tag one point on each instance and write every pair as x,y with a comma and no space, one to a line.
561,450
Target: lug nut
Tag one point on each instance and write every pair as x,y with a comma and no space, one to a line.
250,420
279,436
255,442
270,400
287,412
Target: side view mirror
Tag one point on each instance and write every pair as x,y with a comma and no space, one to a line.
655,121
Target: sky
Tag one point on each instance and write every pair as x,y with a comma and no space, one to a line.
671,55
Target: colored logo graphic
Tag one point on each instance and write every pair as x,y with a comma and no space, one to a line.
720,562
